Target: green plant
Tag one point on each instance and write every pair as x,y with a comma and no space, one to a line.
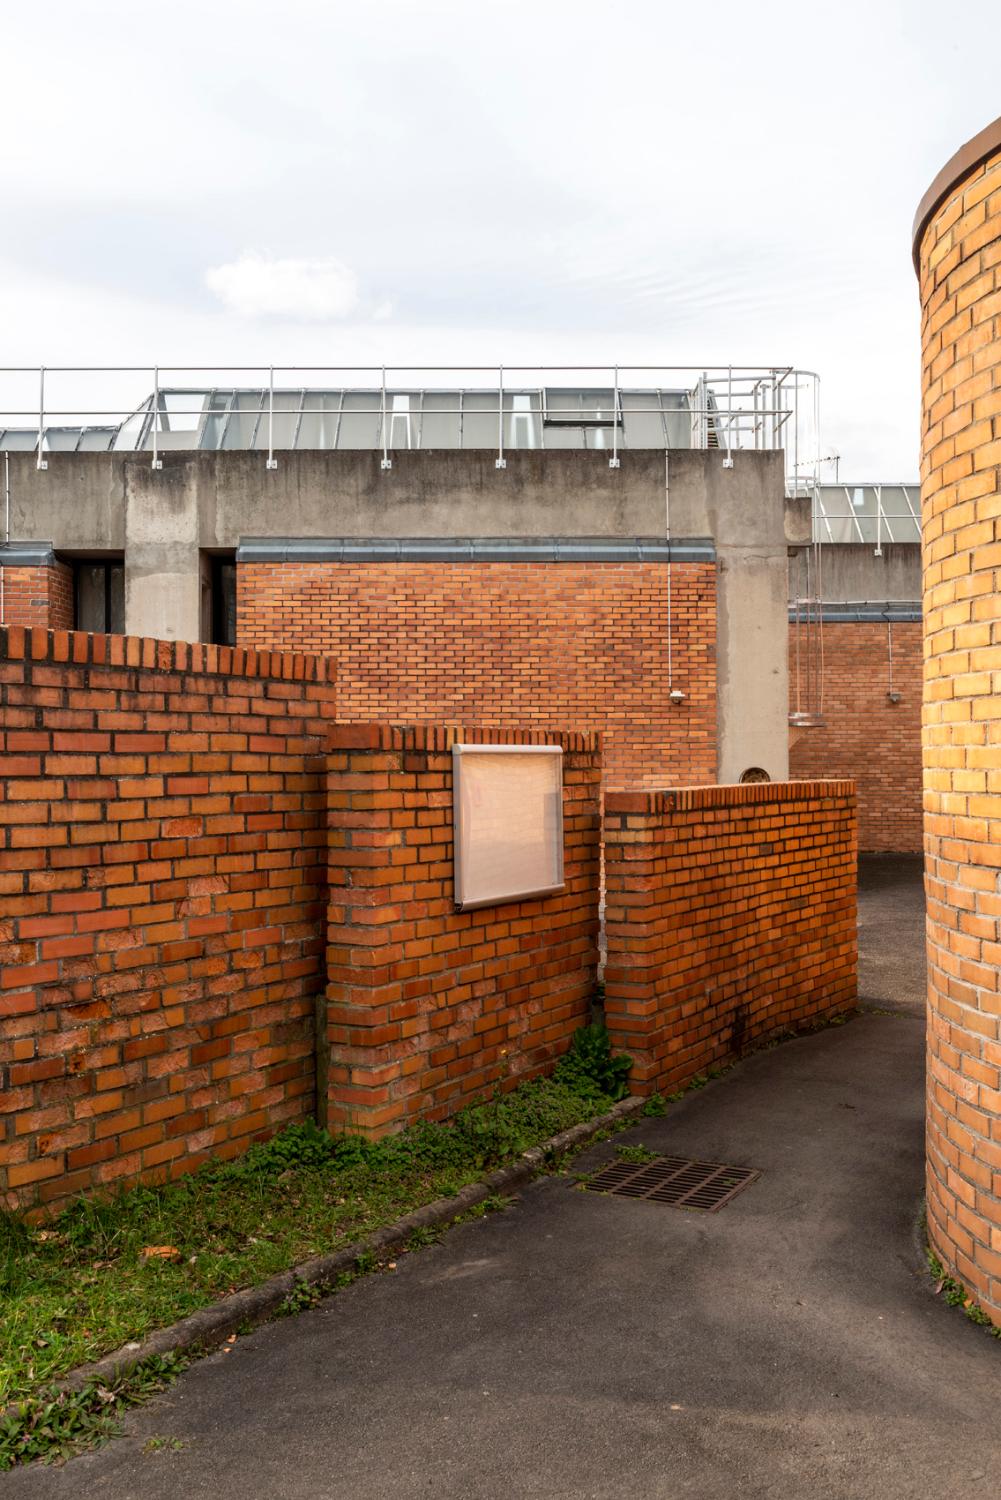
303,1295
419,1239
53,1424
955,1294
161,1444
638,1154
589,1064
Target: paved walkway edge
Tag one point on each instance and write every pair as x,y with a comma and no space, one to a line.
210,1325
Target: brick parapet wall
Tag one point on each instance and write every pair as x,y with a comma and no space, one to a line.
429,1007
865,737
730,917
38,596
162,892
960,276
583,645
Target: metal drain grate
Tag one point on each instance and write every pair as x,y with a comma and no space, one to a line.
703,1185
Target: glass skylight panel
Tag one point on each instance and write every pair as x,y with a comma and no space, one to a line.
62,439
361,420
284,406
244,416
440,419
130,434
480,421
643,420
181,411
523,419
402,419
320,420
95,439
215,421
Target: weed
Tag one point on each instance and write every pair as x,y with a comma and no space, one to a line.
162,1444
303,1295
51,1424
424,1236
637,1154
955,1294
589,1063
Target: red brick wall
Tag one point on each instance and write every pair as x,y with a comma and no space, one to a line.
38,596
162,886
577,645
730,916
866,738
960,268
427,1006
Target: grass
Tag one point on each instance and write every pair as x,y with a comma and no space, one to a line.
80,1285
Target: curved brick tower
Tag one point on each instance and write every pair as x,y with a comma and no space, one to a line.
957,251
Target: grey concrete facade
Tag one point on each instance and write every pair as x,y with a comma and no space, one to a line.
855,572
168,522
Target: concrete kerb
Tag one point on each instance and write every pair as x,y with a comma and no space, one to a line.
209,1326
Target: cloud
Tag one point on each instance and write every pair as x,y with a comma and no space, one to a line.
256,285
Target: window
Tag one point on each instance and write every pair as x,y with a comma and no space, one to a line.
223,586
99,596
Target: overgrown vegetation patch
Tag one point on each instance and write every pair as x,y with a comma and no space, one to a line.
53,1424
108,1271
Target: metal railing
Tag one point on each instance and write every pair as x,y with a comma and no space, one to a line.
870,513
730,407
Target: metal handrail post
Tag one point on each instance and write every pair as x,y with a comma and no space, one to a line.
40,462
387,462
500,462
613,462
728,461
272,461
157,462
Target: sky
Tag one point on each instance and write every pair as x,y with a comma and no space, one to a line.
483,181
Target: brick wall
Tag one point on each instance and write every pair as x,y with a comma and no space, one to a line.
162,887
865,737
578,645
428,1007
730,916
38,596
960,272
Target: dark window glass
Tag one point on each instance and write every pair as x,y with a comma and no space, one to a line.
99,594
223,601
91,587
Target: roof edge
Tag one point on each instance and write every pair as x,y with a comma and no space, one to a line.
973,154
561,549
861,611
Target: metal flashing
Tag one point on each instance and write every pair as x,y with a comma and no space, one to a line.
27,555
865,611
474,549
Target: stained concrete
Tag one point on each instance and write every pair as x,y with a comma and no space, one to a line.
856,571
583,1346
168,521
